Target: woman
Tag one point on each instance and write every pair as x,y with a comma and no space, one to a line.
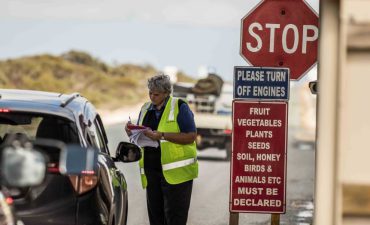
167,172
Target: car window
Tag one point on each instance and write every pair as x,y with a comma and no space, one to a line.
101,134
97,138
38,126
15,123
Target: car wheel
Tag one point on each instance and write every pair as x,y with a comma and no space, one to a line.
228,150
126,211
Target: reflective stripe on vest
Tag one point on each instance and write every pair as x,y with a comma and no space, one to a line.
171,117
143,111
178,164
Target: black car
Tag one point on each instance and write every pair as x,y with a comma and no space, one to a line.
99,198
24,164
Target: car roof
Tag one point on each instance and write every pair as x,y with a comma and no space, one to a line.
65,105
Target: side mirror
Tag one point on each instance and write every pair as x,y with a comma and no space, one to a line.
128,152
77,160
313,85
72,159
21,165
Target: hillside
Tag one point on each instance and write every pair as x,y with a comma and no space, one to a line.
105,85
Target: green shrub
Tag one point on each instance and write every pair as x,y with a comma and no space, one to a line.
105,86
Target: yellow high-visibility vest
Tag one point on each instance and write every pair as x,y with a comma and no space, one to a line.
179,162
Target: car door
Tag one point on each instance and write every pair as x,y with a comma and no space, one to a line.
116,183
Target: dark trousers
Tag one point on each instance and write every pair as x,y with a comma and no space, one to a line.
167,204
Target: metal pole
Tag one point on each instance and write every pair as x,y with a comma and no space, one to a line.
275,219
234,218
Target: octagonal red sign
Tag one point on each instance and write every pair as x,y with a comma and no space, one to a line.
281,33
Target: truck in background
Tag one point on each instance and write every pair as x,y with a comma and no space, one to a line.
211,102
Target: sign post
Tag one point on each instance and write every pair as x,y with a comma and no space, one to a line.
281,33
256,83
279,38
259,141
258,165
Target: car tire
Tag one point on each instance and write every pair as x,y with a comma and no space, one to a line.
228,150
126,211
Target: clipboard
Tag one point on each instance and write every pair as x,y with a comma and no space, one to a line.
136,127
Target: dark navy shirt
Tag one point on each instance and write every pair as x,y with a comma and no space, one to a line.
185,118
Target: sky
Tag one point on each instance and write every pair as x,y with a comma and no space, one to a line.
191,35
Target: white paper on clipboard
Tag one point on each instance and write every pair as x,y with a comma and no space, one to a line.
138,137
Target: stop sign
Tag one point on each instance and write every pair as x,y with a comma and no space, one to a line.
281,33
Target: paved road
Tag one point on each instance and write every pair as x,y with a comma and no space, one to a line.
210,198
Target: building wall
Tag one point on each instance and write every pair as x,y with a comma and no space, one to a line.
342,194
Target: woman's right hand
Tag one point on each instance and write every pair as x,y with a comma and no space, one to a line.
128,131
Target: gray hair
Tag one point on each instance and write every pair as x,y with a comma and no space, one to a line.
160,83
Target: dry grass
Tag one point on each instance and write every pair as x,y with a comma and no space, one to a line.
109,87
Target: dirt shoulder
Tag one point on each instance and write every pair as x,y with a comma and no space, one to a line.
120,115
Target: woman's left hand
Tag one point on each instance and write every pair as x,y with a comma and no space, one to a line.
153,134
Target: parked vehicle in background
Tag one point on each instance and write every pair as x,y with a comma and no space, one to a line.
304,137
91,198
211,102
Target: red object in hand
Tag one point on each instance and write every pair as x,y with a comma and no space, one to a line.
136,127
